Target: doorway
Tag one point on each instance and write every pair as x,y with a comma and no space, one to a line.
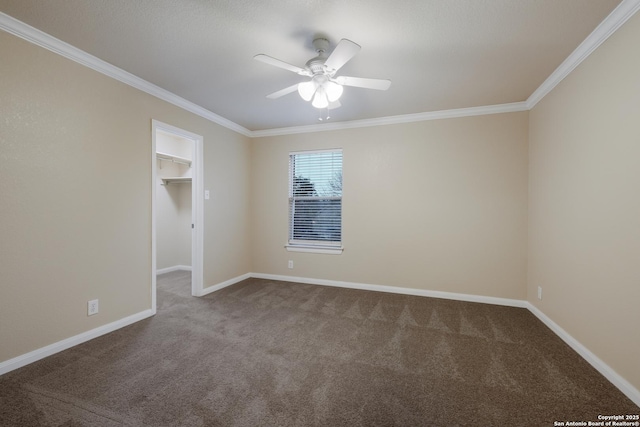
177,209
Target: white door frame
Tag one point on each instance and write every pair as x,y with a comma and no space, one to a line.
197,211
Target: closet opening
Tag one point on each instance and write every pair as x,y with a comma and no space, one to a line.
177,212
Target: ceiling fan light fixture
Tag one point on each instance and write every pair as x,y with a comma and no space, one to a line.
333,90
320,99
307,89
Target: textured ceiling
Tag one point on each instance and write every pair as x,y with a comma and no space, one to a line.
439,54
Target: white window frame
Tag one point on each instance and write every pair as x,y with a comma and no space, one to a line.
312,246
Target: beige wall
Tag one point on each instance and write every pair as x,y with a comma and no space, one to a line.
173,216
585,205
73,227
173,204
176,146
436,205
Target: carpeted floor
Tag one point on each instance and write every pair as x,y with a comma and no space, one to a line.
264,353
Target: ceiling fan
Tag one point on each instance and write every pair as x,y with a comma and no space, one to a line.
324,89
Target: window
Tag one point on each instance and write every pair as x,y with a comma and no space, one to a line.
315,201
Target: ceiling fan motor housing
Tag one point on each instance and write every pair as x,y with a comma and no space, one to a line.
316,65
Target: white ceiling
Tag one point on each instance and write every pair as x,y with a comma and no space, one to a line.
439,54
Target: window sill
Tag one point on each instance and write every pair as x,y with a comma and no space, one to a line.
332,250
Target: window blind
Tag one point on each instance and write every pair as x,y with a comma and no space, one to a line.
315,198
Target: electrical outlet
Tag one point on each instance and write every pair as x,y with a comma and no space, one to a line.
539,292
291,264
92,307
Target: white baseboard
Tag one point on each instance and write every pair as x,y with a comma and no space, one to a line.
224,284
41,353
174,268
623,385
396,290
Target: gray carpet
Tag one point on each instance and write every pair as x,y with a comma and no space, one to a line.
265,353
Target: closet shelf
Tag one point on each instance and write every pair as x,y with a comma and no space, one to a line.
175,179
172,158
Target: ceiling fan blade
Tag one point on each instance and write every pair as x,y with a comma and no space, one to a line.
280,64
378,84
344,51
283,92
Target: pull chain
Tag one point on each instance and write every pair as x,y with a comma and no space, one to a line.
326,115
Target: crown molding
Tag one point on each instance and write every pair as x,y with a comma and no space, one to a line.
392,120
44,40
625,10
